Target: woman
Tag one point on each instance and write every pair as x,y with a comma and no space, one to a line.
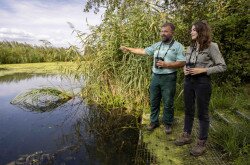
203,58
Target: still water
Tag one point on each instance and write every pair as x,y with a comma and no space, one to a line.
72,133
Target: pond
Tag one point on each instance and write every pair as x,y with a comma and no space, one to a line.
72,133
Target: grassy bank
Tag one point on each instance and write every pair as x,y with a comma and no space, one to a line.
229,139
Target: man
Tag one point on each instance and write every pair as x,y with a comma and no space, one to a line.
168,56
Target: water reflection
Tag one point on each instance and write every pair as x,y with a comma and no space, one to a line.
16,77
3,69
98,137
114,135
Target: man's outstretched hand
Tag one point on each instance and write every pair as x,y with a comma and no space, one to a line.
124,49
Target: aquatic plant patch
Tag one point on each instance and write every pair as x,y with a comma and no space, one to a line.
41,100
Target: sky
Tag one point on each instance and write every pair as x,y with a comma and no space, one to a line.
29,21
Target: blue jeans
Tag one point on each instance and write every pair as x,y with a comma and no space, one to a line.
162,87
197,89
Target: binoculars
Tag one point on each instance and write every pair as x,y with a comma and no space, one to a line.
156,60
190,65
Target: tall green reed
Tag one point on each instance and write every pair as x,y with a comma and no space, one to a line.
112,77
14,52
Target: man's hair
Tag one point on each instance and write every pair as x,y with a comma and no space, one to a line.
170,25
204,34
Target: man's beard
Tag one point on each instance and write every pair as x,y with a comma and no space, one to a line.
166,39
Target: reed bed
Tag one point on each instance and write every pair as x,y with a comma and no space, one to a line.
14,53
113,78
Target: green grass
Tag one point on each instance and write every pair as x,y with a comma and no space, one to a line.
233,141
230,97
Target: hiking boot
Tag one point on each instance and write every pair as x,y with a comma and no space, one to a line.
168,129
199,148
152,126
184,139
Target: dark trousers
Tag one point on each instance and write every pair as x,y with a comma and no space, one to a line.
162,87
197,89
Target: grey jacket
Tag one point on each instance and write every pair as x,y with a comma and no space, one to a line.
210,58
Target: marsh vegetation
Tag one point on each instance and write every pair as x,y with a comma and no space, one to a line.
119,82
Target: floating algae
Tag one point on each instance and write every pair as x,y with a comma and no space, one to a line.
41,100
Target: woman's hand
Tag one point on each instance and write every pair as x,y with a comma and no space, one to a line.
186,70
195,71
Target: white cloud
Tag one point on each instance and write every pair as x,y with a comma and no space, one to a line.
30,21
16,34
